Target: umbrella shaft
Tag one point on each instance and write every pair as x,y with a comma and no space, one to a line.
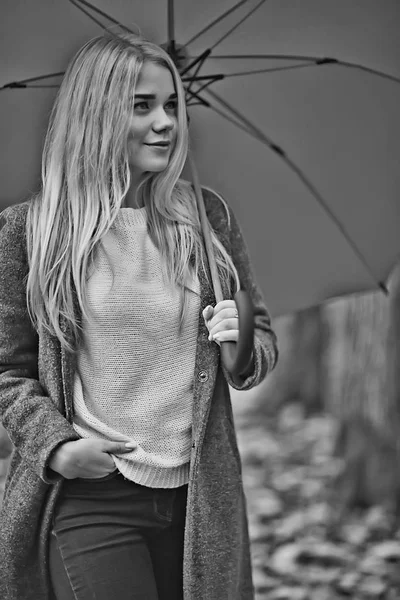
171,26
205,226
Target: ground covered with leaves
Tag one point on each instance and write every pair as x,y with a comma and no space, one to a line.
299,550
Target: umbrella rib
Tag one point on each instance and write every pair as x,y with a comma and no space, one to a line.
377,72
267,56
336,221
209,81
270,70
199,59
257,57
87,13
318,61
216,21
22,83
302,57
234,122
228,33
193,94
37,87
194,76
260,136
76,3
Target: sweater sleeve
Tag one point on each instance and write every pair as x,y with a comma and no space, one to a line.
32,420
265,350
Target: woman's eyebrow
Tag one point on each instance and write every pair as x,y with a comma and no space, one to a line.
153,96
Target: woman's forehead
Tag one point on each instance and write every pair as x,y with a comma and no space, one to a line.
155,80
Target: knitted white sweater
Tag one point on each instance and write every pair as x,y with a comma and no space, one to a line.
135,371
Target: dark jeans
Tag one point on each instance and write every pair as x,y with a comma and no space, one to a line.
115,539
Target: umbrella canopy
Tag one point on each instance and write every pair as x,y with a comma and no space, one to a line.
336,128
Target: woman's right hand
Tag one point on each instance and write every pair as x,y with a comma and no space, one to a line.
88,458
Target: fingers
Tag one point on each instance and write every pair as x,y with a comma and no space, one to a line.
223,305
222,321
223,310
118,447
228,335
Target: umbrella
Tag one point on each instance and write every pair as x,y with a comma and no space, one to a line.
294,119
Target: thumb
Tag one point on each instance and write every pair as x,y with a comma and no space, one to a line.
208,313
119,447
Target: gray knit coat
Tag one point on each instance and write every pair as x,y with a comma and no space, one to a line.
36,408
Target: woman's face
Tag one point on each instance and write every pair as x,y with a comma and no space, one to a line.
154,122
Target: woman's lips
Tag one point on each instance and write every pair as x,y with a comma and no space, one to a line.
164,144
160,145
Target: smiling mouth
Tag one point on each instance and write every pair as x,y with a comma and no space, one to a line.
160,145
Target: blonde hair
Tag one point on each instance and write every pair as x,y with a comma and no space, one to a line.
86,176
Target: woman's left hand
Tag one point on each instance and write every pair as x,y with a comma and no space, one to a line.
222,322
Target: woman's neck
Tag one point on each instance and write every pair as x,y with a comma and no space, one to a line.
131,199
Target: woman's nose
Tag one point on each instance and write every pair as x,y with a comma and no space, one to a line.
163,122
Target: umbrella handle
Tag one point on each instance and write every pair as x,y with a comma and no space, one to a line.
236,355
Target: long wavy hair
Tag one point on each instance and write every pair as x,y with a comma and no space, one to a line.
86,176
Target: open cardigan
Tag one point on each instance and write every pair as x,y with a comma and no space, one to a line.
36,407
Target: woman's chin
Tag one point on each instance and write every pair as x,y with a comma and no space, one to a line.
154,166
158,166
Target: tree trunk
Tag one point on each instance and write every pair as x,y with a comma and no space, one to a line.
297,376
358,395
306,359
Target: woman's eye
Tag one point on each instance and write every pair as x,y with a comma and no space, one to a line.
172,105
141,106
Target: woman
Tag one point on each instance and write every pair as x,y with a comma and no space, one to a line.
126,479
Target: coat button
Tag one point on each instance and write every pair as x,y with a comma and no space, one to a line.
202,376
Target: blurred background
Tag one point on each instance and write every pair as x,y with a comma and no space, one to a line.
319,443
319,438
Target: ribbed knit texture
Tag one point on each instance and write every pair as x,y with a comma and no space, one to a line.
134,380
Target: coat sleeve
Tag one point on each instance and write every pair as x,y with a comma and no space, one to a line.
265,350
32,420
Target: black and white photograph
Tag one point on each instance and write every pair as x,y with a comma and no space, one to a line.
200,300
